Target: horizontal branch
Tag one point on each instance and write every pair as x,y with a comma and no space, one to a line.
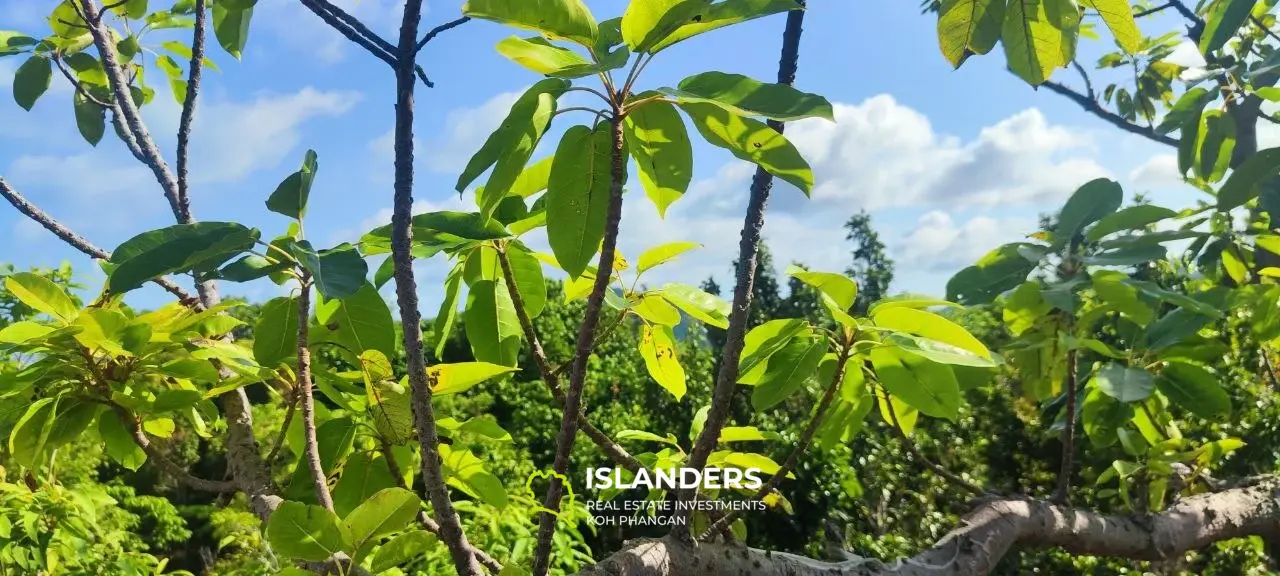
438,29
986,535
1091,106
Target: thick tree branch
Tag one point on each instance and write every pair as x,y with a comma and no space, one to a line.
311,444
1091,106
748,249
77,241
569,422
189,110
985,536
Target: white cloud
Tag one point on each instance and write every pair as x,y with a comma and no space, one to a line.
937,244
465,130
1187,55
1161,171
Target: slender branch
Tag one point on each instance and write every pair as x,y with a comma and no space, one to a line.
1062,494
748,250
586,338
189,109
1154,10
424,419
77,241
806,438
284,428
437,30
1091,106
1265,30
353,29
159,459
66,73
1268,117
311,444
601,338
915,451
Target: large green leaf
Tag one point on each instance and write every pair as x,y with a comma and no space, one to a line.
644,24
338,272
1115,289
526,270
231,26
462,376
388,400
15,42
568,19
578,195
1039,36
493,331
290,197
402,549
659,143
119,442
968,26
1242,185
184,247
103,329
1131,218
91,119
1173,328
1223,21
1123,383
725,13
466,472
926,386
360,322
1214,144
744,96
518,134
275,336
305,532
1194,388
842,290
31,81
663,253
387,511
41,294
764,341
1101,415
1188,107
448,309
661,359
248,268
753,141
1090,203
929,325
1001,269
710,309
786,372
363,475
544,57
30,436
1120,21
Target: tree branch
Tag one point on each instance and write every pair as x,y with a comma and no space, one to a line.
1062,494
1091,106
438,29
284,427
915,451
569,422
77,241
189,109
353,29
159,459
985,536
748,249
311,444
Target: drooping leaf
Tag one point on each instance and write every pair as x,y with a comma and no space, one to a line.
448,309
725,13
251,267
644,24
1101,415
926,386
1130,218
1090,203
15,42
275,336
511,144
752,141
290,197
659,142
338,272
527,274
697,303
568,19
744,96
41,294
462,376
1120,21
578,196
1123,383
786,371
231,26
1039,36
1242,186
90,119
1186,109
968,26
31,81
1223,21
119,442
200,246
1214,144
29,438
493,331
658,348
543,57
1194,388
305,532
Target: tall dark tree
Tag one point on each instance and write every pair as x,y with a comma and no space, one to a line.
872,268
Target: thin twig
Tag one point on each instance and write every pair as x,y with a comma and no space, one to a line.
806,438
189,109
1062,494
77,241
311,444
915,451
62,67
284,428
1265,30
353,29
1151,11
438,29
1090,105
748,250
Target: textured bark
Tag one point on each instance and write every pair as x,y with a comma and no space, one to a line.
189,110
158,458
311,450
1062,494
748,249
985,536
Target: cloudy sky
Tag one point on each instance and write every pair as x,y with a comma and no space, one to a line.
949,163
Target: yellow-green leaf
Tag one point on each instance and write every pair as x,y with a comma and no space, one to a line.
1120,21
931,326
1039,36
968,25
658,348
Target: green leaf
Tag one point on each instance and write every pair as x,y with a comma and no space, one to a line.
694,302
305,532
30,436
1131,218
184,247
363,475
663,253
231,27
661,359
1194,388
1039,36
15,42
275,336
1090,203
389,510
659,143
725,13
402,549
131,8
102,329
119,442
578,196
1101,415
462,376
527,274
1242,185
568,19
1223,21
31,80
448,310
41,294
466,472
930,325
1126,256
1214,144
290,197
647,436
1023,308
840,289
786,372
360,322
751,140
524,120
1173,328
968,26
644,24
743,96
1124,384
73,417
338,272
1119,19
90,119
545,58
26,331
654,308
1113,287
251,267
926,386
493,331
1188,108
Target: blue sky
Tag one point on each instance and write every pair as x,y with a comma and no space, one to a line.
950,163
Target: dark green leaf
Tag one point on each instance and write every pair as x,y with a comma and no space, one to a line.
231,27
1224,20
184,247
275,336
339,272
90,119
290,197
1131,218
1173,327
305,532
359,322
786,372
15,42
1126,256
1214,144
753,141
119,442
926,386
31,80
1000,270
1242,186
1194,388
743,96
493,331
1124,384
251,267
578,194
448,310
1188,107
1090,203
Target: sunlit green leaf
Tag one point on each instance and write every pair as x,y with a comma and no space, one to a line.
752,141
